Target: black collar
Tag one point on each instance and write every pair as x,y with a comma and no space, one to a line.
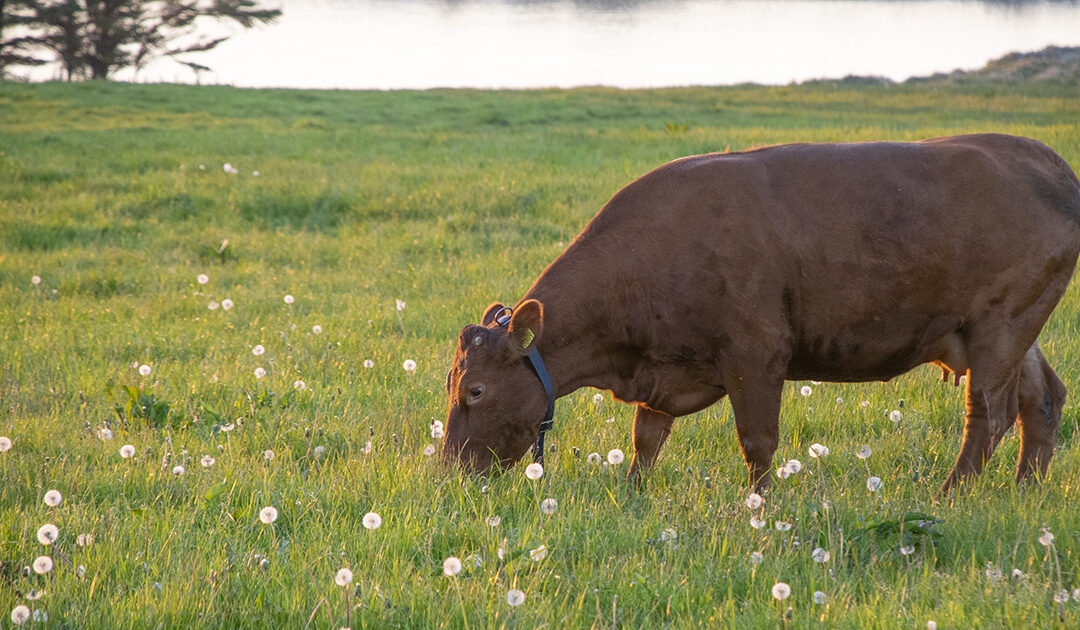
533,357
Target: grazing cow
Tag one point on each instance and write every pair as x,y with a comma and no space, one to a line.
728,274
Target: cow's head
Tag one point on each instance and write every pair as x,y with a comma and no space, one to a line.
496,401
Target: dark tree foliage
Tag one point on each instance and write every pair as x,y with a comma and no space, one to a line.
93,38
16,50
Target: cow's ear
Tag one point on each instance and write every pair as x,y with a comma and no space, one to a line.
526,324
492,312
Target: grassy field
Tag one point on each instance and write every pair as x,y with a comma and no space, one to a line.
116,198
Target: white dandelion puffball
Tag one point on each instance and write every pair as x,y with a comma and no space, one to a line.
805,390
864,452
319,451
299,385
429,450
207,461
820,597
819,555
260,372
21,614
35,279
593,458
258,350
818,450
409,365
203,278
144,369
873,484
317,329
213,306
84,540
514,597
548,506
400,305
1016,573
438,429
783,472
668,535
1061,597
534,471
615,456
598,398
782,526
1046,539
127,451
42,565
268,454
228,168
895,415
756,522
368,363
48,533
53,498
780,590
227,304
451,566
344,577
289,299
5,443
907,550
931,625
268,514
105,434
793,466
757,557
494,521
372,520
753,501
538,554
228,427
178,470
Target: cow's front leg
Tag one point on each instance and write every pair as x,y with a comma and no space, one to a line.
651,428
755,399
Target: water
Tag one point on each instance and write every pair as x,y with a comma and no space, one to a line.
386,44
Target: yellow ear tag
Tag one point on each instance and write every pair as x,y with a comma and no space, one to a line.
528,339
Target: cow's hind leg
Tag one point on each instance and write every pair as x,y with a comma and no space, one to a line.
1041,399
755,399
651,429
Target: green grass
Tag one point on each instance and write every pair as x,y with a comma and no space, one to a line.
115,195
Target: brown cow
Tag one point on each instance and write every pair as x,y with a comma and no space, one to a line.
728,274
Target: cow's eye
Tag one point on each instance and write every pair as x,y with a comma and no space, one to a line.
476,391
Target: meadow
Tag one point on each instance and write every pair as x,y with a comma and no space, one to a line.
150,236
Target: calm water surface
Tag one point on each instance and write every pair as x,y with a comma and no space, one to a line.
385,44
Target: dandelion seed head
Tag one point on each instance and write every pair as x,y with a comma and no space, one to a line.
21,614
372,520
906,550
534,471
299,385
1061,597
429,450
793,466
48,533
5,443
756,522
344,577
258,350
319,451
317,329
42,565
1017,574
597,398
494,520
227,304
782,526
615,456
228,427
864,452
84,540
593,458
268,514
289,299
931,625
400,305
818,450
35,280
515,597
127,451
53,498
202,278
805,390
780,590
368,363
207,461
144,369
820,597
668,535
753,501
268,454
1047,538
820,555
438,431
548,506
105,434
757,557
178,470
873,484
451,566
783,472
895,415
538,554
260,372
213,306
409,365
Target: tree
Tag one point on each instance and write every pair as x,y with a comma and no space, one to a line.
93,38
17,15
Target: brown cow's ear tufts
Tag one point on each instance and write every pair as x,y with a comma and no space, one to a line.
526,325
491,313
